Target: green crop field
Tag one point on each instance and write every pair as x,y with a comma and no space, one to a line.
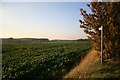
40,60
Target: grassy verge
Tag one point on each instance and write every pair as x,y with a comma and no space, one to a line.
109,69
91,68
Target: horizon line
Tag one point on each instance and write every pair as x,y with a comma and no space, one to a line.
38,38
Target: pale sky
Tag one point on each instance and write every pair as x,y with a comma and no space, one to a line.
53,20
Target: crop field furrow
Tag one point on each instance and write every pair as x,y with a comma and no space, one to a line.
41,60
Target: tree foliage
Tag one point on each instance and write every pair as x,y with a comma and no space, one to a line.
106,14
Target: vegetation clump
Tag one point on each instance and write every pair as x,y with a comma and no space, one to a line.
106,14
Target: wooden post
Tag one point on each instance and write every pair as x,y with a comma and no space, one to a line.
101,44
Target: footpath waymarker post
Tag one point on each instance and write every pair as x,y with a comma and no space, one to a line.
101,44
102,38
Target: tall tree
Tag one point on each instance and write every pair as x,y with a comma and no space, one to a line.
106,14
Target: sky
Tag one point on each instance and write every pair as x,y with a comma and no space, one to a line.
53,20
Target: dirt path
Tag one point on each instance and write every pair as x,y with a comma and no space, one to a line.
84,67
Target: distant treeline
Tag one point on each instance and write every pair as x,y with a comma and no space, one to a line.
26,40
34,40
70,40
